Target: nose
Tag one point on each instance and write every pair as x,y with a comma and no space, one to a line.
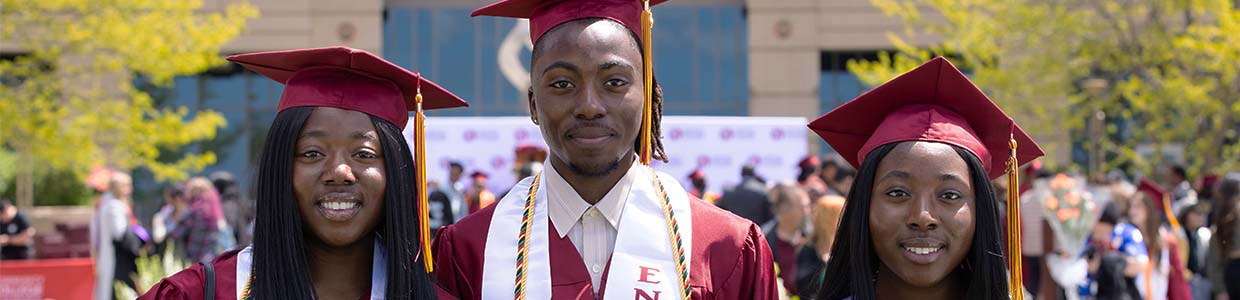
919,217
338,173
591,106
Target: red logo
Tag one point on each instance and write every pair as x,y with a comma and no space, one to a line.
521,135
755,160
777,134
676,134
726,134
470,135
497,162
703,160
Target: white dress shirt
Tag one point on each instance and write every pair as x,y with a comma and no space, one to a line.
591,228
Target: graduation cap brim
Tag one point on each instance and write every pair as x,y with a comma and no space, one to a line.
282,65
933,102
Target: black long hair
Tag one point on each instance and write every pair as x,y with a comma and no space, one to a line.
656,98
853,262
281,269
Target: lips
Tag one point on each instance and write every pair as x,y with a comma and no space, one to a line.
922,251
590,135
339,206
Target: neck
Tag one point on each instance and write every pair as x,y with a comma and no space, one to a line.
889,286
593,188
341,272
789,232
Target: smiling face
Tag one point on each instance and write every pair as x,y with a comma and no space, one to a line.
338,176
587,88
922,212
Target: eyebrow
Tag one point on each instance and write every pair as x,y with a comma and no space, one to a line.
561,65
951,177
614,64
895,174
359,135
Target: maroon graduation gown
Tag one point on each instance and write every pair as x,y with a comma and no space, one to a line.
188,284
731,259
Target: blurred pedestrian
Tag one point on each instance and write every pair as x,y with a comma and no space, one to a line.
479,195
1223,262
1164,276
1116,255
237,210
1197,238
175,204
116,237
1182,193
454,190
809,177
16,232
787,232
202,229
828,169
698,189
1033,225
812,260
748,199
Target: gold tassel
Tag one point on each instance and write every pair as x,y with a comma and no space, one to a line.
419,157
648,78
1175,222
1013,224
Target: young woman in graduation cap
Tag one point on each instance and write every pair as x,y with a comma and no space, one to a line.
338,189
921,221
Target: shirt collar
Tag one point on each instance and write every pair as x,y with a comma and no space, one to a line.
565,205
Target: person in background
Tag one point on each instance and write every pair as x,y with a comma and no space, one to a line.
1182,193
1116,255
1164,277
748,199
809,177
237,212
1033,233
786,233
202,229
812,259
116,236
698,178
829,168
842,183
1197,238
478,195
16,233
1223,260
175,204
454,189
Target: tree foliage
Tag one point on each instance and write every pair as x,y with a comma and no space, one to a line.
1161,74
68,102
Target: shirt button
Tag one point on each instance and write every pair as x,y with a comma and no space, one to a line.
596,269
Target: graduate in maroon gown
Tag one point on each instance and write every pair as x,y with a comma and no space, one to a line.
337,216
598,222
921,220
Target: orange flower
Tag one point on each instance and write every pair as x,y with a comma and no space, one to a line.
1063,215
1074,199
1052,203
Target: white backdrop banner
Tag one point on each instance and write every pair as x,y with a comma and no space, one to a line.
719,146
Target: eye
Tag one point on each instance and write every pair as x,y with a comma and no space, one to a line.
562,84
366,155
897,194
952,195
617,83
310,154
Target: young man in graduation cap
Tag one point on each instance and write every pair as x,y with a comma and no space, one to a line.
921,221
338,189
598,222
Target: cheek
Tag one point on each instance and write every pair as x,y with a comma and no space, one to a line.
376,181
963,222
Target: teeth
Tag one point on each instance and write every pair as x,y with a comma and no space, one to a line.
339,205
922,250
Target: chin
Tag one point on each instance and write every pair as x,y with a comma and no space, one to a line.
928,277
339,237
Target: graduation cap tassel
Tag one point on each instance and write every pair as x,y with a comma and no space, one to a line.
648,79
1175,222
419,156
1013,223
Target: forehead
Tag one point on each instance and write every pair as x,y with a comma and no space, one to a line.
922,159
588,39
331,121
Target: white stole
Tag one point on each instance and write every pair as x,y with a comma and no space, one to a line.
641,266
378,271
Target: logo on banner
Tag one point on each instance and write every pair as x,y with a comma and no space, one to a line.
675,134
777,134
755,160
703,160
470,135
521,135
497,162
726,134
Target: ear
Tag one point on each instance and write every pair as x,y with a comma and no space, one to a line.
533,106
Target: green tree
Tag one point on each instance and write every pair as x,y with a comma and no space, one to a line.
69,102
1169,70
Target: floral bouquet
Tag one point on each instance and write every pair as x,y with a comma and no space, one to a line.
1071,213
